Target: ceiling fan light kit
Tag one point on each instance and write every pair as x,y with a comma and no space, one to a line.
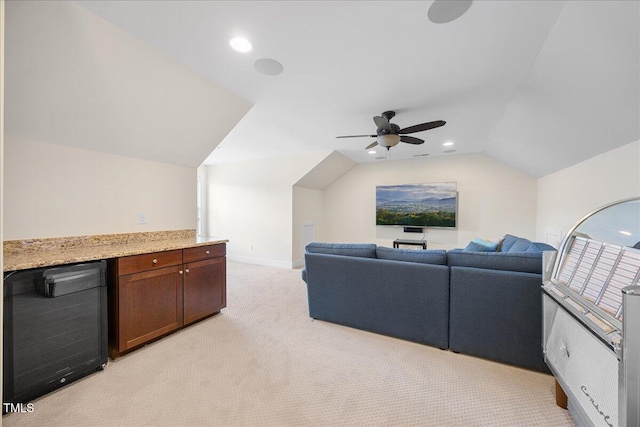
388,140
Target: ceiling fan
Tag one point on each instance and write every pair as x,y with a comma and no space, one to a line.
389,134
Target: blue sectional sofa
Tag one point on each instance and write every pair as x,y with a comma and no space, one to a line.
487,304
496,303
378,290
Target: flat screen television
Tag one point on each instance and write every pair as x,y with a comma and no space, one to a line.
417,205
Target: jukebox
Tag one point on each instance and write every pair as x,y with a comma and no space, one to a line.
591,316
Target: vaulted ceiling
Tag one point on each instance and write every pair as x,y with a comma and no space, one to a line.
73,79
540,85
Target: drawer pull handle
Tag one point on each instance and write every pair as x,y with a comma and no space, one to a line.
187,270
155,261
180,271
207,252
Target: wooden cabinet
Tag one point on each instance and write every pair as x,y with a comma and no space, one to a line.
205,281
151,295
150,305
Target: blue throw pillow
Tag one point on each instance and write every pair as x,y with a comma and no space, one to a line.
507,242
477,247
491,245
540,247
520,245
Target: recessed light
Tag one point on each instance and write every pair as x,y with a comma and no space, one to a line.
240,44
372,152
626,233
447,144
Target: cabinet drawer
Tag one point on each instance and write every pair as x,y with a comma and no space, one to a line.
204,252
137,263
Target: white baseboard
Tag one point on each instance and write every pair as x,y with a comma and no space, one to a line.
260,261
299,263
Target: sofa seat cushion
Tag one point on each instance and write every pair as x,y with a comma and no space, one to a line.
433,256
528,262
365,250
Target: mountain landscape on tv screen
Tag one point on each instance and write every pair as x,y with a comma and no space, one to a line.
398,206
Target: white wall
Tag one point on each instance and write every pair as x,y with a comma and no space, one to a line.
493,199
308,206
75,79
53,190
251,204
100,126
203,207
564,197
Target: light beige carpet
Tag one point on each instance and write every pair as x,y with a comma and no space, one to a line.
263,361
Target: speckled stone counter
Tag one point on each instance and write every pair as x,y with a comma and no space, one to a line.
33,253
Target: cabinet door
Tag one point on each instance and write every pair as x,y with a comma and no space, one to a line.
150,305
205,288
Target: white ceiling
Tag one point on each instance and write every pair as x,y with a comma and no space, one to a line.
540,85
73,79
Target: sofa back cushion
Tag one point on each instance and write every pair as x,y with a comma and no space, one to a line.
434,256
540,247
508,242
527,262
520,244
365,250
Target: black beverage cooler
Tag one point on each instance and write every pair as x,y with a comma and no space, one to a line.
55,328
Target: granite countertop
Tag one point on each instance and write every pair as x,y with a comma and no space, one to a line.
33,253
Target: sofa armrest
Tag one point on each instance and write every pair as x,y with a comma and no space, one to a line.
526,262
497,315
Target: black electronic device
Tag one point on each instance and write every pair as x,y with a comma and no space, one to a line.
413,230
55,328
417,205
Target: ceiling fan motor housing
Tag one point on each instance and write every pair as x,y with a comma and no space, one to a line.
389,115
394,130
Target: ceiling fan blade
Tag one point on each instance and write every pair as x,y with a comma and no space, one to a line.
411,140
373,144
382,123
423,126
357,136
